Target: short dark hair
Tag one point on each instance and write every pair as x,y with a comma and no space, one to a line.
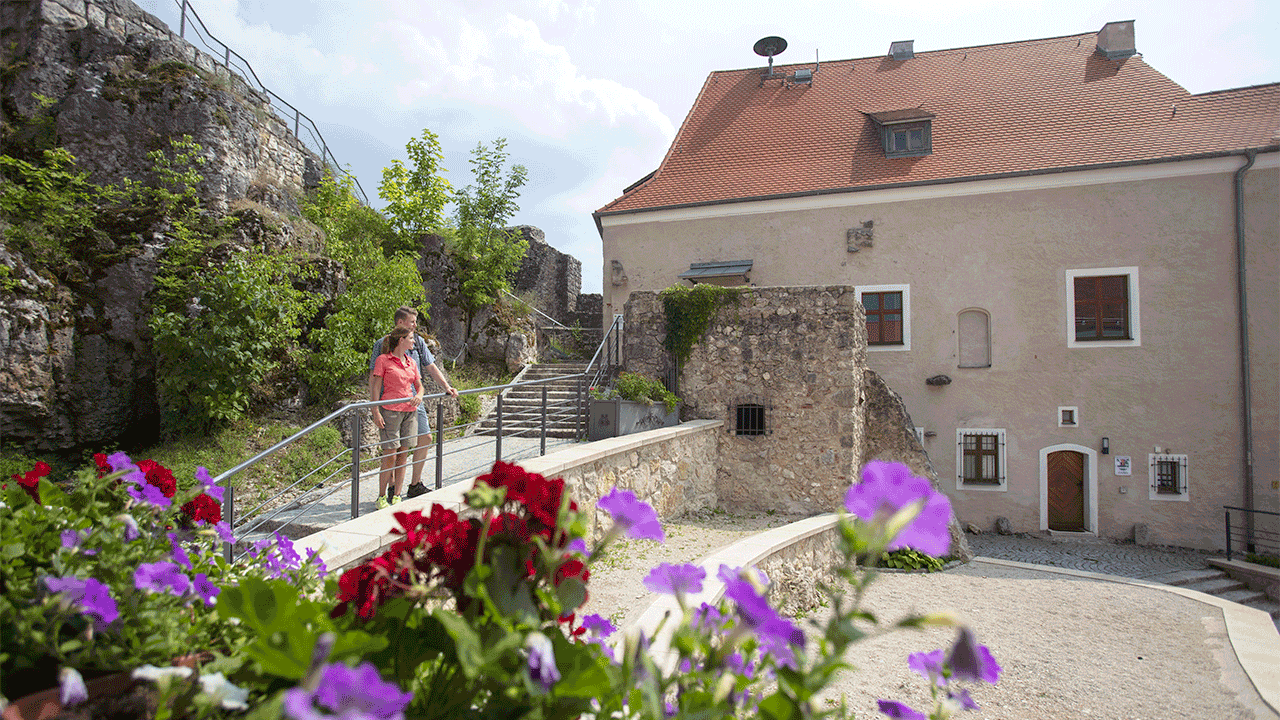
405,312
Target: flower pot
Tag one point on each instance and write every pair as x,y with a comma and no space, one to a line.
44,705
612,418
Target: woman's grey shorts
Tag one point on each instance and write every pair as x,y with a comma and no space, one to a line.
396,425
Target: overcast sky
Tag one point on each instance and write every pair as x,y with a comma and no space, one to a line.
589,93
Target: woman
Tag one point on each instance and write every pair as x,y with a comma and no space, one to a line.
396,373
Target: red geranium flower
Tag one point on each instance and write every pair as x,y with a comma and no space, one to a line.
30,480
203,509
160,476
104,467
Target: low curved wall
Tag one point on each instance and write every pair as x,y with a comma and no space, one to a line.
673,469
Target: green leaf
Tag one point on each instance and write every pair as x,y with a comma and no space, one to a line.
779,707
572,592
465,640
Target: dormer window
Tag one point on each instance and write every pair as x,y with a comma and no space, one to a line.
905,133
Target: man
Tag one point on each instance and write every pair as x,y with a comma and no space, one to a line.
407,317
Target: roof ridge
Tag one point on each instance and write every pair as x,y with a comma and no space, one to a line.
1236,89
940,51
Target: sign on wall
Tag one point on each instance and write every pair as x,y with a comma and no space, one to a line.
1124,465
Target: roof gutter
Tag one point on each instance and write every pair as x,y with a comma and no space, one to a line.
1246,382
923,183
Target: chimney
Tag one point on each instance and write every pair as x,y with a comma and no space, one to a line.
902,49
1115,40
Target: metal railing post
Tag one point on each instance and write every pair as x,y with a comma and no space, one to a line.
440,444
544,419
182,33
230,494
498,439
296,112
579,431
1228,512
356,431
226,60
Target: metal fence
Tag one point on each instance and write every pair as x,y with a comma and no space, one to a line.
1247,534
360,459
238,68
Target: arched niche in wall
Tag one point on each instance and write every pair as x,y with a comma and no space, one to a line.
973,338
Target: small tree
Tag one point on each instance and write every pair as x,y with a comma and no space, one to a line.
485,252
415,196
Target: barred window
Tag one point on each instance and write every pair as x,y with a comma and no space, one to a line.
750,419
980,458
1168,477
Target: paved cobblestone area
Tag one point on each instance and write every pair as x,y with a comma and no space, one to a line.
1101,556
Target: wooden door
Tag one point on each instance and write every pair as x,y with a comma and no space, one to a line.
1066,490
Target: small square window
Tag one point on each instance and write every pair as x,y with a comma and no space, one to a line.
1169,478
750,419
1068,417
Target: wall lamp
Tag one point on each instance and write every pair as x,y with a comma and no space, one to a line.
1106,445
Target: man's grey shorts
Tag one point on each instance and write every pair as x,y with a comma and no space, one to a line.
424,424
396,425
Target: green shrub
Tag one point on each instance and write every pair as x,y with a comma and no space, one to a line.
909,559
638,388
1263,559
469,409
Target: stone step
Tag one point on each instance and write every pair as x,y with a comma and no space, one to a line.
1243,596
1186,577
1270,607
1215,587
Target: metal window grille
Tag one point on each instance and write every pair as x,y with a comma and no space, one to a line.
750,419
980,453
1170,474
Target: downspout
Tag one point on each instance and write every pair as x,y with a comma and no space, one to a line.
1246,385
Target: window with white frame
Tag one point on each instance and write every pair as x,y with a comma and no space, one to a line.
888,310
981,459
1168,476
1103,308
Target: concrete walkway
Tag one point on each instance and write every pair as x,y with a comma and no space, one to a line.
1099,556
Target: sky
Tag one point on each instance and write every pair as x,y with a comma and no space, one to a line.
590,93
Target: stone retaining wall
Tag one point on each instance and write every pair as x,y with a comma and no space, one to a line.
672,469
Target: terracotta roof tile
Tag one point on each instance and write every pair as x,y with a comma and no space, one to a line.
998,109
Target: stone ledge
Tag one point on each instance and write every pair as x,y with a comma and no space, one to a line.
565,460
1258,577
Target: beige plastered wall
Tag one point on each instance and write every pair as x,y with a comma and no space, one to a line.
1007,253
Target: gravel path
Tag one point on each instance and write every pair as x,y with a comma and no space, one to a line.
1069,647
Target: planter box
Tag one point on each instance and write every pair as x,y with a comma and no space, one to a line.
612,418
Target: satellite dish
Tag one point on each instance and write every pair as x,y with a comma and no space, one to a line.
770,46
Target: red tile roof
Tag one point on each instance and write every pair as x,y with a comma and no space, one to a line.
1011,108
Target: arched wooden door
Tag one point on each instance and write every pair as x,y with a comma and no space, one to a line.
1066,490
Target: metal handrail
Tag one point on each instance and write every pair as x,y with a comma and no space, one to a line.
557,322
606,358
1251,534
298,116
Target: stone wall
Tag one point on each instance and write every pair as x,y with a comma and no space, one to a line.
124,84
551,276
797,352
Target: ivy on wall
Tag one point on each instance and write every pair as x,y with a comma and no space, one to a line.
689,312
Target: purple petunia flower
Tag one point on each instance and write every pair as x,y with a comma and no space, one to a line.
70,539
888,487
207,591
636,518
598,626
224,532
970,661
776,634
351,693
898,711
707,617
577,545
161,577
211,488
71,689
145,492
313,557
675,579
131,531
962,697
179,553
91,596
928,665
542,660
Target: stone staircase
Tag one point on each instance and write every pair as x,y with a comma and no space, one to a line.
1216,582
522,406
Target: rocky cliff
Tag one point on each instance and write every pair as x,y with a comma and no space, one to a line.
112,83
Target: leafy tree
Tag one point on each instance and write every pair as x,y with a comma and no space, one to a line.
357,236
46,207
415,195
485,252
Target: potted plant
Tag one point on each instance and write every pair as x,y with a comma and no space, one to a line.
632,404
